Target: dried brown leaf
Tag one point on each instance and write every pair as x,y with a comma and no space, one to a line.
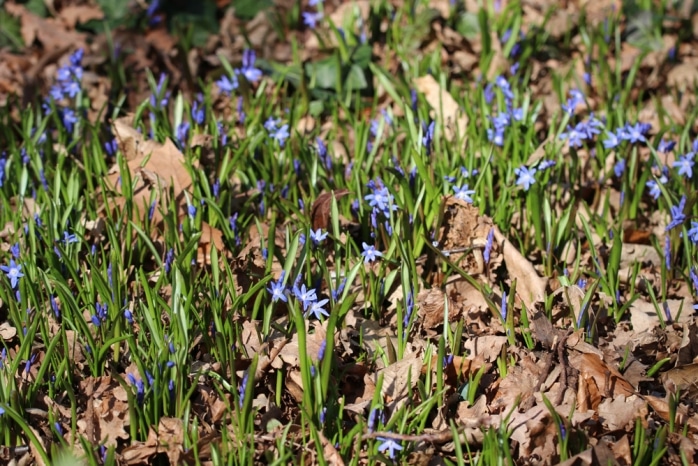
154,169
321,211
600,376
400,378
448,112
683,379
620,412
530,287
50,32
71,15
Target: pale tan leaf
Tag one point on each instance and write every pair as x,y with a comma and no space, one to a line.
448,112
530,287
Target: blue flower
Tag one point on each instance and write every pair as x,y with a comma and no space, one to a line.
243,388
653,186
305,296
198,111
278,289
389,445
693,232
311,19
318,236
158,99
677,214
370,253
317,309
140,387
685,164
69,118
496,136
463,193
665,146
488,246
248,69
381,200
13,271
182,132
545,164
279,133
169,258
526,177
634,133
227,84
612,141
428,138
504,306
619,168
574,136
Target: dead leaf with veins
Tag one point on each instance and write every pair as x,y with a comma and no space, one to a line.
463,234
399,378
621,412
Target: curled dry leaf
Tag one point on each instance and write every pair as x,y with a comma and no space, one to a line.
49,31
321,211
599,379
7,331
530,287
448,112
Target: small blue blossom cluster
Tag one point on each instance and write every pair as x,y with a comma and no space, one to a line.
227,84
323,155
377,127
654,185
276,131
100,314
582,131
505,116
382,203
313,17
67,87
516,48
307,297
138,383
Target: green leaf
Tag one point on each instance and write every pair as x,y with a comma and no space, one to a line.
10,35
324,73
356,80
114,11
248,9
468,25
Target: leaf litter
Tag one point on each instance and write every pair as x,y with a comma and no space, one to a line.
562,367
